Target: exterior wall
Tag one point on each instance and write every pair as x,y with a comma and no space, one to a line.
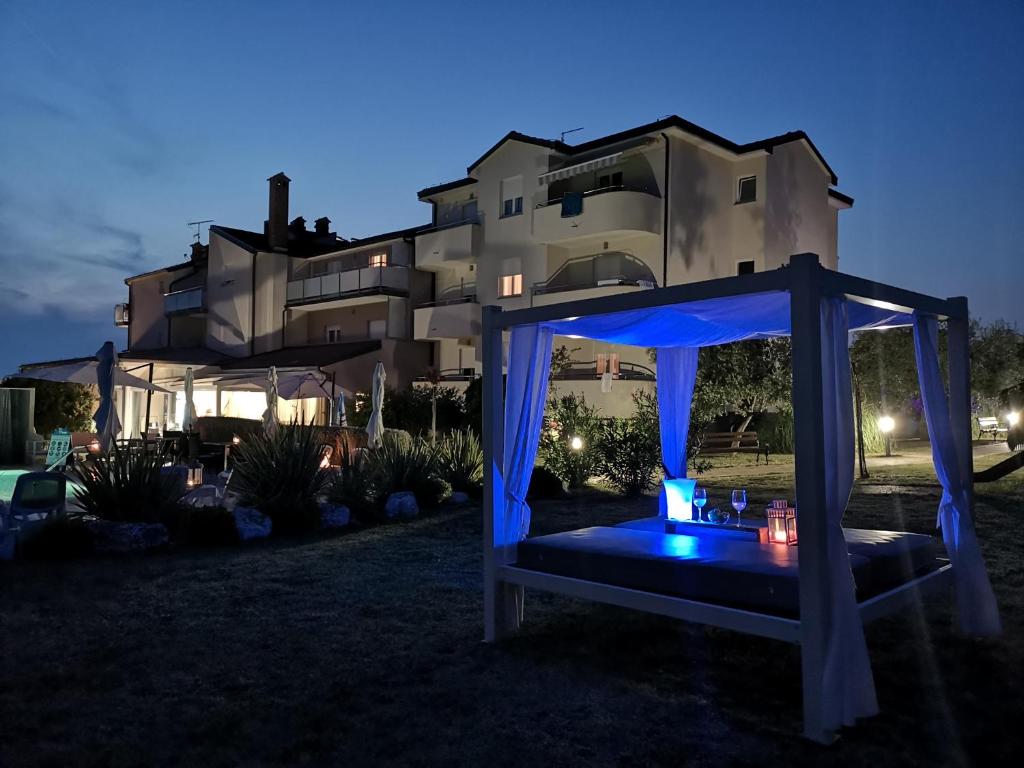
270,294
148,326
615,404
229,298
187,330
798,217
403,361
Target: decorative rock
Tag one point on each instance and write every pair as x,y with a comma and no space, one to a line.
251,523
332,516
459,497
110,538
401,504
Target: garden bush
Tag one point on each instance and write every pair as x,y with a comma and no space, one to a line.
410,408
353,486
407,465
545,484
628,456
281,476
60,539
126,487
201,526
460,461
568,416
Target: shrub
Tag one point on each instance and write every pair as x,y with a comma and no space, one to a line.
569,417
410,409
281,476
628,456
400,465
59,404
60,539
353,486
460,460
545,484
201,526
126,487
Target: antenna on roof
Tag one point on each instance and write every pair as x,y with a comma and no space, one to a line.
198,225
566,133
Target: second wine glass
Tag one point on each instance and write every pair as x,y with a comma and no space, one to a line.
700,498
739,503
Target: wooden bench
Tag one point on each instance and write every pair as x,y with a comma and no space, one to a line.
990,424
735,442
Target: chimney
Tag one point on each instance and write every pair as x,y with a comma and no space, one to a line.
199,252
276,227
322,226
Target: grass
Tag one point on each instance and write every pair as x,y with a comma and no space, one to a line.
364,649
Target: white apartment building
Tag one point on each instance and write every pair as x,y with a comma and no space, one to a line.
534,221
537,222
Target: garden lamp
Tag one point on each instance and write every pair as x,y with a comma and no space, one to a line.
886,424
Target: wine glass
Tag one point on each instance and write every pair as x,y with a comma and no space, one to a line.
739,503
700,498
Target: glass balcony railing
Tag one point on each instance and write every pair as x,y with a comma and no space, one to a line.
190,300
393,280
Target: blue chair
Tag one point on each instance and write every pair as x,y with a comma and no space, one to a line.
38,496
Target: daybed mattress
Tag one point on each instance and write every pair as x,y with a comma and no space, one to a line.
718,570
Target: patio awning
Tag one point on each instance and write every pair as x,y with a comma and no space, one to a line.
575,170
82,372
290,386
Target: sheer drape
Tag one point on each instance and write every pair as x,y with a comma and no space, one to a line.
849,685
976,604
676,377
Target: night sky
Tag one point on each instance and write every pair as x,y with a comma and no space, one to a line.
120,123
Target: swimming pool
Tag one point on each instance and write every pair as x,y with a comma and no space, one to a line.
8,477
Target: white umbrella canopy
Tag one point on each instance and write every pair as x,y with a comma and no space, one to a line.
83,372
270,424
290,386
188,421
375,427
107,424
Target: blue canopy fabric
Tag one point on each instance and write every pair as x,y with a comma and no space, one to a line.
709,322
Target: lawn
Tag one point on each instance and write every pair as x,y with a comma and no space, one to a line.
364,649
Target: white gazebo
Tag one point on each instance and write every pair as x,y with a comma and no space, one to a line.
818,308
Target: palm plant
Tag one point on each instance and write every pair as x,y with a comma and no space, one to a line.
126,486
353,486
281,475
408,465
460,460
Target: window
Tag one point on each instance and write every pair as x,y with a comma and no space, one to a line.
745,267
378,260
511,285
609,180
319,268
746,190
333,333
512,196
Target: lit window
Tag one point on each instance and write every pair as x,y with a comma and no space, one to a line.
746,191
745,267
511,285
379,260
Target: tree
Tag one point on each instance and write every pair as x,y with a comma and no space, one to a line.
997,361
60,405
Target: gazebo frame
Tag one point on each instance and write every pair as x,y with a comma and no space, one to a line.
807,282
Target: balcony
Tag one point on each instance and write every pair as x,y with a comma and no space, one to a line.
452,319
357,286
446,246
121,315
597,214
188,302
600,274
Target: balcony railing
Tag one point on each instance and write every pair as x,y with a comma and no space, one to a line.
596,271
571,197
389,280
121,315
447,302
581,371
180,302
452,374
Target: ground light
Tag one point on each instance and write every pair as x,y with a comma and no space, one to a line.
886,424
1013,418
576,443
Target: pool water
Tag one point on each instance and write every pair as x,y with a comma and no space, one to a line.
8,477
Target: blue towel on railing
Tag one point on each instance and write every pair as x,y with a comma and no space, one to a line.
572,204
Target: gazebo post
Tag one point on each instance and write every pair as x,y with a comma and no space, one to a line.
493,437
959,353
805,316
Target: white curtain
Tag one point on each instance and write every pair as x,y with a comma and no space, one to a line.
849,685
676,377
976,603
108,425
529,366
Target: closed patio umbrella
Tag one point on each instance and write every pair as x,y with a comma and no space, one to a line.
375,427
188,421
108,425
340,416
270,424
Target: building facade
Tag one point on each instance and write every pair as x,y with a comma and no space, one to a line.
533,222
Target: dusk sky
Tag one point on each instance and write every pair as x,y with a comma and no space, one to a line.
119,123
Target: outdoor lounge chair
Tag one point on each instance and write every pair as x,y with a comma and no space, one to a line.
37,497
